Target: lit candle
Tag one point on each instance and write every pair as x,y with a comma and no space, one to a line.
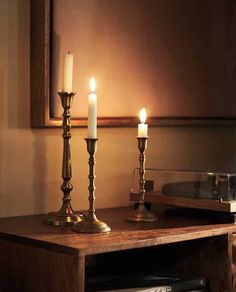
92,110
67,73
142,127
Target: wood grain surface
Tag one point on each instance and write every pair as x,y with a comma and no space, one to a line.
27,268
124,235
37,257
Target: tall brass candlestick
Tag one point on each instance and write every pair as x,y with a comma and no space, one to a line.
142,214
66,215
91,224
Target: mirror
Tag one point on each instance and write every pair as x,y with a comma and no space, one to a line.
175,58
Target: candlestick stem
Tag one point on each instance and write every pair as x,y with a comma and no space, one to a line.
141,214
66,215
91,147
91,224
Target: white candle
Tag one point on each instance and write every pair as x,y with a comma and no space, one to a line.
92,110
67,73
142,127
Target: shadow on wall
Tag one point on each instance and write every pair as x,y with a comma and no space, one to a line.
18,52
46,170
39,170
2,101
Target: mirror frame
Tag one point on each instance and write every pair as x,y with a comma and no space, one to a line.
40,82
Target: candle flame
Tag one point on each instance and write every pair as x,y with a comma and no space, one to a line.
143,115
92,84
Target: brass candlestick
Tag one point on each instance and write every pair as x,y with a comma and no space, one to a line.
91,224
66,215
142,214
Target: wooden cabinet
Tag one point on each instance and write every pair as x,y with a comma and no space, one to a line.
233,260
35,257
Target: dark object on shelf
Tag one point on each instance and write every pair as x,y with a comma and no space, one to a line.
128,281
155,289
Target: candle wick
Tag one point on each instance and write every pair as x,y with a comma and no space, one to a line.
69,52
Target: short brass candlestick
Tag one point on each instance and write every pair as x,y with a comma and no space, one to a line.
66,215
91,224
142,214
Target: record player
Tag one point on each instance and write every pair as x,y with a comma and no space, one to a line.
215,191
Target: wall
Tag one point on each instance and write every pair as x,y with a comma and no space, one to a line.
30,160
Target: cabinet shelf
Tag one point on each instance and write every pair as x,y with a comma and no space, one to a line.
61,259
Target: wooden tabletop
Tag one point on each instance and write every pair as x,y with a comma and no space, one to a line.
169,228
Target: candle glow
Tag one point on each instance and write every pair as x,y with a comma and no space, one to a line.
143,115
142,127
92,84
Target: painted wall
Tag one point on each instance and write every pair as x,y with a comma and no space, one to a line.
30,160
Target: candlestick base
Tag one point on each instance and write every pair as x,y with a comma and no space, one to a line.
141,215
61,218
91,225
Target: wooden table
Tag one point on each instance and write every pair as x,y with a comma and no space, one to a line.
35,257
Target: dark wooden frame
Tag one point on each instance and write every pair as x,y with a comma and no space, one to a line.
40,56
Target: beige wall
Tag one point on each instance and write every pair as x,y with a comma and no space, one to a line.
30,160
